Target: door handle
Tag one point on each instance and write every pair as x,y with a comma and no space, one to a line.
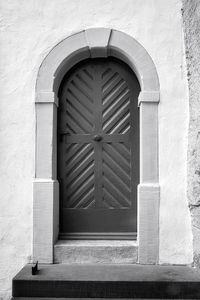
97,138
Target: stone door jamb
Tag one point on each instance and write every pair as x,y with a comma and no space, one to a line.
94,42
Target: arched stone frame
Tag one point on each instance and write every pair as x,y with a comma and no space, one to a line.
95,42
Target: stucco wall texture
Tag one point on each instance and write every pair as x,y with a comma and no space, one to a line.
28,31
191,21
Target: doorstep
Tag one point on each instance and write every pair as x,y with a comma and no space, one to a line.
96,251
108,281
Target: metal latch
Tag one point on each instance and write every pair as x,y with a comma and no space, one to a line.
35,269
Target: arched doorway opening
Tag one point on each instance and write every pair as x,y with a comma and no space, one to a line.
94,43
98,150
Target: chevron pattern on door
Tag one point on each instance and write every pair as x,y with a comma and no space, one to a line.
98,149
116,103
116,175
78,104
79,180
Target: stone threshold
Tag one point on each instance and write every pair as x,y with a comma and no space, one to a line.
96,251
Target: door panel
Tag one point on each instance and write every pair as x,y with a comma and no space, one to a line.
98,150
116,181
79,179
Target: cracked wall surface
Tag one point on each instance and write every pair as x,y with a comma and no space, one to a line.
191,21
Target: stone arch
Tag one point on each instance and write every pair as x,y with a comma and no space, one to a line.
95,42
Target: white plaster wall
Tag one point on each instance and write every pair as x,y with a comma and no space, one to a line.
28,30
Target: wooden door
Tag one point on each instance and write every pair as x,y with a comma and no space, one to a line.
98,150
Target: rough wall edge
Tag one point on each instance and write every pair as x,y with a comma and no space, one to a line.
191,24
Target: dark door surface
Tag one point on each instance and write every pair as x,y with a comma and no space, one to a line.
98,150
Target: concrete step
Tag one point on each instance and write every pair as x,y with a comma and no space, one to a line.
19,298
107,281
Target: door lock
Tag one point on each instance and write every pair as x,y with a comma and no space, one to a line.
97,138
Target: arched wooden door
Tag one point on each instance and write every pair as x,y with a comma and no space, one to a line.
98,150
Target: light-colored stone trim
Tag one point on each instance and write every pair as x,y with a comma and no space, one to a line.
96,42
126,48
46,97
149,142
46,143
59,60
98,39
148,223
148,96
45,218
